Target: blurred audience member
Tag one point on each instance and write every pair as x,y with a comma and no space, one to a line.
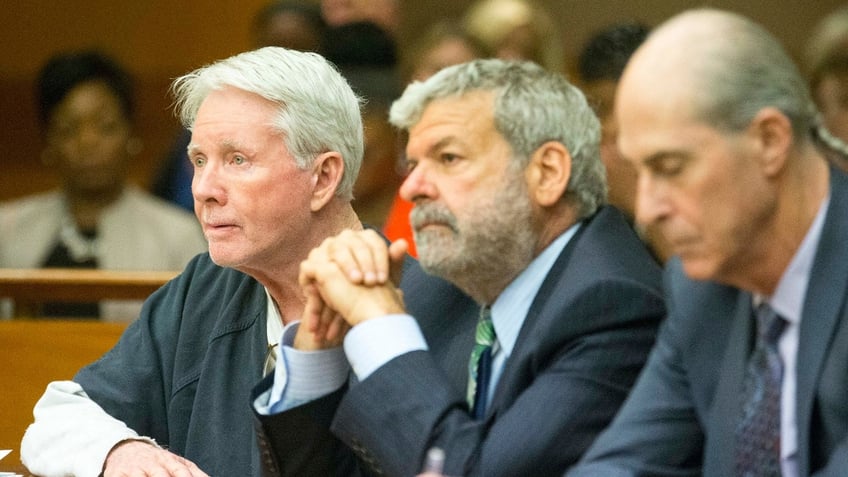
827,66
360,45
446,43
384,13
367,57
516,29
291,24
829,84
96,219
599,67
828,36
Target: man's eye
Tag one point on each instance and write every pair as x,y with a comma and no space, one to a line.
669,168
238,160
199,161
448,158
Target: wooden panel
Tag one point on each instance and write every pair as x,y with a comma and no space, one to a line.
36,352
80,285
30,287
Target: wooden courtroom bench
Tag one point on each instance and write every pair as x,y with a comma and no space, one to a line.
30,287
37,351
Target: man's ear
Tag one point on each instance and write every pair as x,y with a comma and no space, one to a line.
772,135
548,172
327,171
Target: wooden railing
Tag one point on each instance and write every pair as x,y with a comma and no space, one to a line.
36,352
30,287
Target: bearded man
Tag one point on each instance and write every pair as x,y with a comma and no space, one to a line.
508,187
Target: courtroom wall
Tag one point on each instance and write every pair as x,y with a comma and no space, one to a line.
161,39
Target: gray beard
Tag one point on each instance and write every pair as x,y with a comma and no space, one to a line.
486,251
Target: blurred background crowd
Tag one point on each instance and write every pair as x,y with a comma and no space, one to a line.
379,45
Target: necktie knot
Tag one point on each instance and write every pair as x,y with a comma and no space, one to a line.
485,335
479,366
770,325
270,359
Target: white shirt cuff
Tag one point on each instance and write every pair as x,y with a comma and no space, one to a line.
375,342
302,376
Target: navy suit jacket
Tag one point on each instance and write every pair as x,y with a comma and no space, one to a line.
681,415
583,342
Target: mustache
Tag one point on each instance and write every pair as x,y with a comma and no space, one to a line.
422,215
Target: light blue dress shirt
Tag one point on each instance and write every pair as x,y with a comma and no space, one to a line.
788,302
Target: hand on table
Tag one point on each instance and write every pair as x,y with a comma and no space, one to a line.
135,458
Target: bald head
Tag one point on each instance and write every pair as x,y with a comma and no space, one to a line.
720,67
717,120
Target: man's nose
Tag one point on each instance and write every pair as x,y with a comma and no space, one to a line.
418,185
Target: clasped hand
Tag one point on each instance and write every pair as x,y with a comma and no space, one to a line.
348,279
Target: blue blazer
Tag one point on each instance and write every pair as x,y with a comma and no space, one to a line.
584,341
680,417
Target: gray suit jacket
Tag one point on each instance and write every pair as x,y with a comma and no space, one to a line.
680,417
585,339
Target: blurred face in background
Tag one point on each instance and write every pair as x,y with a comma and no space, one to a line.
289,29
385,13
379,164
451,50
831,94
621,175
89,140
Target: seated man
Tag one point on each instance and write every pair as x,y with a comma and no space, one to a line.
748,376
276,144
508,189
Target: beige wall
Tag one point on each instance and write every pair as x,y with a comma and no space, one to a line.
160,39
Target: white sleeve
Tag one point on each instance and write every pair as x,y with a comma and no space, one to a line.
71,435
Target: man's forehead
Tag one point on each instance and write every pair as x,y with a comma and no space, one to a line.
471,109
476,99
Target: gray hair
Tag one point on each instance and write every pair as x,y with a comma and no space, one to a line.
532,106
742,69
318,111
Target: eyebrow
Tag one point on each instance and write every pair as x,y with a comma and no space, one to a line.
228,144
662,155
438,145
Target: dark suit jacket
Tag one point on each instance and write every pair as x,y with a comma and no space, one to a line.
680,417
584,341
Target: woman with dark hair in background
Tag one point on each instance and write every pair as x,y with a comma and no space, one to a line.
96,219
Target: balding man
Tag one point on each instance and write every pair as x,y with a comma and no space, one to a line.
732,170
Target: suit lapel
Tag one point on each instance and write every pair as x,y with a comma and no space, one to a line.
513,367
822,309
725,409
